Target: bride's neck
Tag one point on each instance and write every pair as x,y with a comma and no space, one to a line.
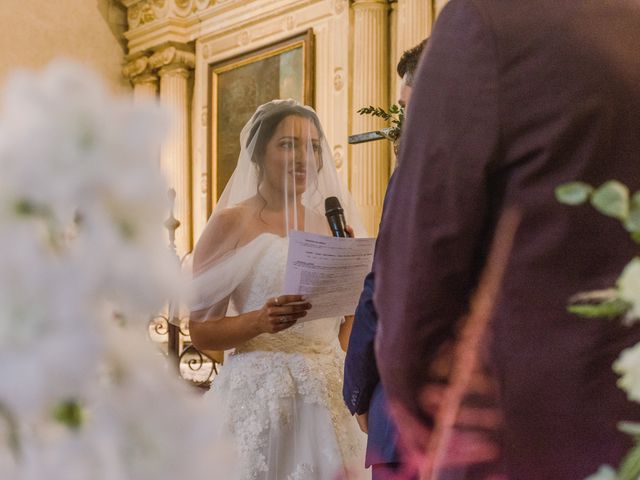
276,200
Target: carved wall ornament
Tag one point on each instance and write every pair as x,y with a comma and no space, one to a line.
338,79
289,22
243,38
204,117
204,183
205,51
340,6
338,156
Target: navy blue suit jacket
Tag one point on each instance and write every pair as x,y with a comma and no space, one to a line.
362,389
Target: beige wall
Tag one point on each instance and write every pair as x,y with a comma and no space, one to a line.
32,32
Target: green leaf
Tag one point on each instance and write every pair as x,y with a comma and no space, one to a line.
69,413
612,199
375,112
25,208
126,228
632,223
607,309
12,430
573,193
630,467
635,236
630,428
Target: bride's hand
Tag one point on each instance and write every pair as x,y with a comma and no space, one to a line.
280,313
349,231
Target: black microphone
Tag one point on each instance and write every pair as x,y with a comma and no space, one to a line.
335,217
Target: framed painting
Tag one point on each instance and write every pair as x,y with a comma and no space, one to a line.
239,85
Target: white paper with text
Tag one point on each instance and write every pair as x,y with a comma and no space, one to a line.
328,271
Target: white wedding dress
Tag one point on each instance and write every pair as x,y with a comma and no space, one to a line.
281,394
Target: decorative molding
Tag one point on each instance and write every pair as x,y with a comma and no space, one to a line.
153,23
172,56
135,68
143,12
142,76
225,37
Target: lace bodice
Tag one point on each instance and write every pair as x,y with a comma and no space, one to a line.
265,280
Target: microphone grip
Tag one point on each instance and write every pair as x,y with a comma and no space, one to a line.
337,224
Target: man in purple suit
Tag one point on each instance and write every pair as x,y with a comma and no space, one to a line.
511,100
362,390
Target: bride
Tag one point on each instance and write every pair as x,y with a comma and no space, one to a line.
280,389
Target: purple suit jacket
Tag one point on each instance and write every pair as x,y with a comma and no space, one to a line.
512,99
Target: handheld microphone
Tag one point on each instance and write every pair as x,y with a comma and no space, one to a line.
335,217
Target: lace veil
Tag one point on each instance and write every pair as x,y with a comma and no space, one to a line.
283,175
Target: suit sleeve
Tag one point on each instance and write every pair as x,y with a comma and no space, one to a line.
431,246
360,369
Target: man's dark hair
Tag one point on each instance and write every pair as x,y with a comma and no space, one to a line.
409,61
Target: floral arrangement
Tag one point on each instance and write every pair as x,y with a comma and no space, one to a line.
83,265
614,200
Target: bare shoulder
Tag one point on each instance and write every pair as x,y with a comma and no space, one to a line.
223,221
221,233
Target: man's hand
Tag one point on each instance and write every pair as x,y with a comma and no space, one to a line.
363,421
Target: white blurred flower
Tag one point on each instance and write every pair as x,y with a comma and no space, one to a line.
629,287
628,366
147,419
45,327
82,205
146,425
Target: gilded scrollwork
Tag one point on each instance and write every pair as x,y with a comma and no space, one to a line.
187,7
144,12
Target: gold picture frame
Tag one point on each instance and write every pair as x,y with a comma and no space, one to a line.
238,85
